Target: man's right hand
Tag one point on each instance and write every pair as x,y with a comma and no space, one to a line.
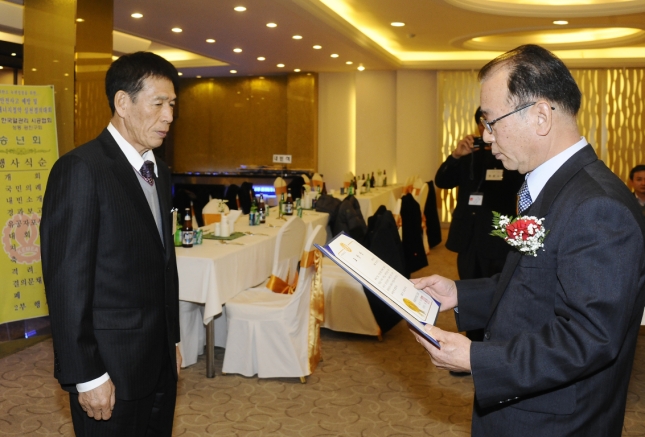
464,147
442,289
99,402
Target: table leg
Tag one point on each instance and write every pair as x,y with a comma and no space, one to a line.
210,349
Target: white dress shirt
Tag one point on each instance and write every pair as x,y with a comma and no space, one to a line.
537,179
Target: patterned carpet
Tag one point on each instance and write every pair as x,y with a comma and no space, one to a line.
363,388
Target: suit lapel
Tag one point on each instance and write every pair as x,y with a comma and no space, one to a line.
540,208
126,176
163,187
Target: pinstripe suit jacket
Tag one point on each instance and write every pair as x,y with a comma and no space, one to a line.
561,327
111,284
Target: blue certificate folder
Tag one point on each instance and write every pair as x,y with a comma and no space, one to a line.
415,306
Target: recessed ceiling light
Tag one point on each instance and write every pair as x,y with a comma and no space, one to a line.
239,8
13,54
198,76
317,47
137,15
237,50
334,55
361,68
297,70
272,25
210,40
297,37
177,29
179,73
34,69
79,20
1,67
280,65
349,62
233,71
261,58
561,22
66,74
397,24
261,77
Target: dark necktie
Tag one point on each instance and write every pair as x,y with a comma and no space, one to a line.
148,172
524,200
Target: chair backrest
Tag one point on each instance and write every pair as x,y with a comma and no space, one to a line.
422,197
288,247
317,235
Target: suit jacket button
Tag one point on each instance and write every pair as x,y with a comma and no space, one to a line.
487,335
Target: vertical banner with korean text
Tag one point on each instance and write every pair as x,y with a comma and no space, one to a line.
28,149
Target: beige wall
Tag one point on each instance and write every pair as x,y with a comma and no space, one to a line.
373,120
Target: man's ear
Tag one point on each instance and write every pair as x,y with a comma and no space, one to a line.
121,103
544,118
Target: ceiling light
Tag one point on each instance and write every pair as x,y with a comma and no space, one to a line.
210,40
261,77
361,68
1,67
13,54
297,70
297,37
66,74
198,76
137,15
280,65
79,20
317,47
237,50
561,22
179,73
177,29
239,8
33,69
233,71
261,58
397,24
272,25
349,62
334,55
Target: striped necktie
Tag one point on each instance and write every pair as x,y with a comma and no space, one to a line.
148,172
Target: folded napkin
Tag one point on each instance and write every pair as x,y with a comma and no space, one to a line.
280,186
316,181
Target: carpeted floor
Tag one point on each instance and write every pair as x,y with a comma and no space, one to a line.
363,388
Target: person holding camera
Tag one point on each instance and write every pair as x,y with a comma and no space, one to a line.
484,186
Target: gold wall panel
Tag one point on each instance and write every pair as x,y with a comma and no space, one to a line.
223,123
93,58
458,101
50,33
611,117
302,120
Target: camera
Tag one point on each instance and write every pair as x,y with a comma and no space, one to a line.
479,143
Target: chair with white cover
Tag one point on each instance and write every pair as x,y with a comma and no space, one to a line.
346,306
288,248
275,335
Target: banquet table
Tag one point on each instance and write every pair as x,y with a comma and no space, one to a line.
386,196
214,272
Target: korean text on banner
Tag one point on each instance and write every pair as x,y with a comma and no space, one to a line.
28,149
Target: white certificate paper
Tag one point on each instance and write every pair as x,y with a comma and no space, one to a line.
417,307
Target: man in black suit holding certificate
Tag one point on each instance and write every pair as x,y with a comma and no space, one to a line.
109,262
562,318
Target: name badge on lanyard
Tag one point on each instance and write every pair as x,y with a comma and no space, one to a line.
476,199
494,175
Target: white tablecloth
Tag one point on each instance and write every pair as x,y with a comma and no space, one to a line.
378,196
212,272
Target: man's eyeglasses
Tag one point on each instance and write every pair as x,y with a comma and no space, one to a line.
489,124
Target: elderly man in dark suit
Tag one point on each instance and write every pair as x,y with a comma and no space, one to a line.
561,320
109,262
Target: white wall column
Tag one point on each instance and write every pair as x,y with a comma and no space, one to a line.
336,126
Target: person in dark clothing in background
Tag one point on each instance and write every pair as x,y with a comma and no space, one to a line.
484,186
